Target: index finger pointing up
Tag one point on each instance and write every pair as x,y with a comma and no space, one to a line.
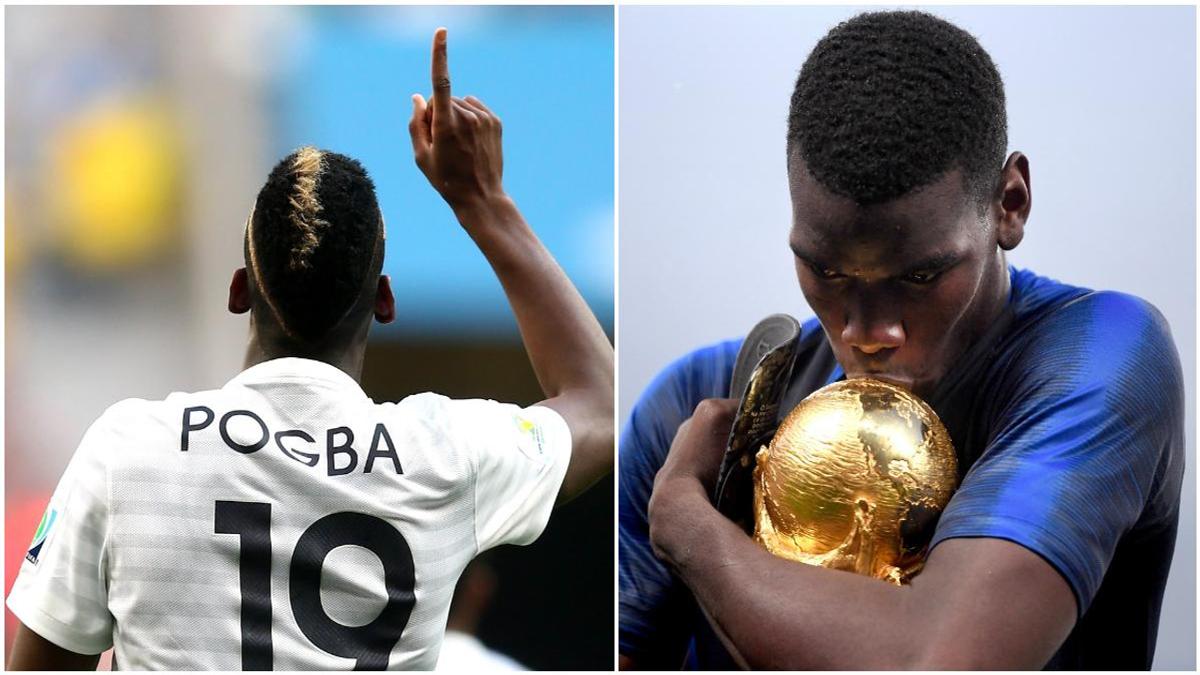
441,75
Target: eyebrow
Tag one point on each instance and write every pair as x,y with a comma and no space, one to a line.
936,261
803,255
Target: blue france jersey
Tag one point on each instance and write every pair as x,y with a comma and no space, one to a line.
1068,421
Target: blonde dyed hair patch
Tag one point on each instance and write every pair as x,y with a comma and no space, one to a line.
306,205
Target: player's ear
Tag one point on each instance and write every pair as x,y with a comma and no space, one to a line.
385,302
1015,201
239,292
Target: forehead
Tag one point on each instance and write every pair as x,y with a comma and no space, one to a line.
936,219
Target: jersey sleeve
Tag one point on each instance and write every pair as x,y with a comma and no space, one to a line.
1083,440
655,607
519,457
61,590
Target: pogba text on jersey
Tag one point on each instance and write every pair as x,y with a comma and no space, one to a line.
341,457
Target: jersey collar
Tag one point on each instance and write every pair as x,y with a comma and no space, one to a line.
293,369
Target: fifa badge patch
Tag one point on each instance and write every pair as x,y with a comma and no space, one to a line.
39,537
531,440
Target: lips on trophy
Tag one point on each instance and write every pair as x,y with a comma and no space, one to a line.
855,479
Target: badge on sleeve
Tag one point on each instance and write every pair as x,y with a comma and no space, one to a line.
39,537
530,438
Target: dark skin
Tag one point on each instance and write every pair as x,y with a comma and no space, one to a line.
31,651
456,144
902,289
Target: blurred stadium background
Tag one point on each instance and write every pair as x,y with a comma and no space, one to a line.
137,139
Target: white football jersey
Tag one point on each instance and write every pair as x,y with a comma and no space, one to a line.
283,521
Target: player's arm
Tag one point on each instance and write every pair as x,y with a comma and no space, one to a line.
60,593
979,603
655,609
457,146
33,652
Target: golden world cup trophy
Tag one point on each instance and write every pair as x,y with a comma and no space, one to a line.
855,479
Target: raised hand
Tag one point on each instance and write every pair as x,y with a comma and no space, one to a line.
456,141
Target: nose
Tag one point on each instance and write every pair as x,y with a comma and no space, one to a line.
872,332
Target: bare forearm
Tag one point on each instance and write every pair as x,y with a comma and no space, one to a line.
569,352
567,347
31,651
775,613
978,603
456,143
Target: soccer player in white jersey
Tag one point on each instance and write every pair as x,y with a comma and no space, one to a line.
285,520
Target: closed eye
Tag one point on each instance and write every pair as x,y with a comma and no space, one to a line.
822,272
922,277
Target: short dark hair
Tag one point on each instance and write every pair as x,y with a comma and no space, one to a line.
888,102
313,241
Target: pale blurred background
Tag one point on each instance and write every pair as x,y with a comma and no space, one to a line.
137,139
1101,99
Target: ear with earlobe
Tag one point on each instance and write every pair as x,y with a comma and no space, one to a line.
385,302
239,292
1016,199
